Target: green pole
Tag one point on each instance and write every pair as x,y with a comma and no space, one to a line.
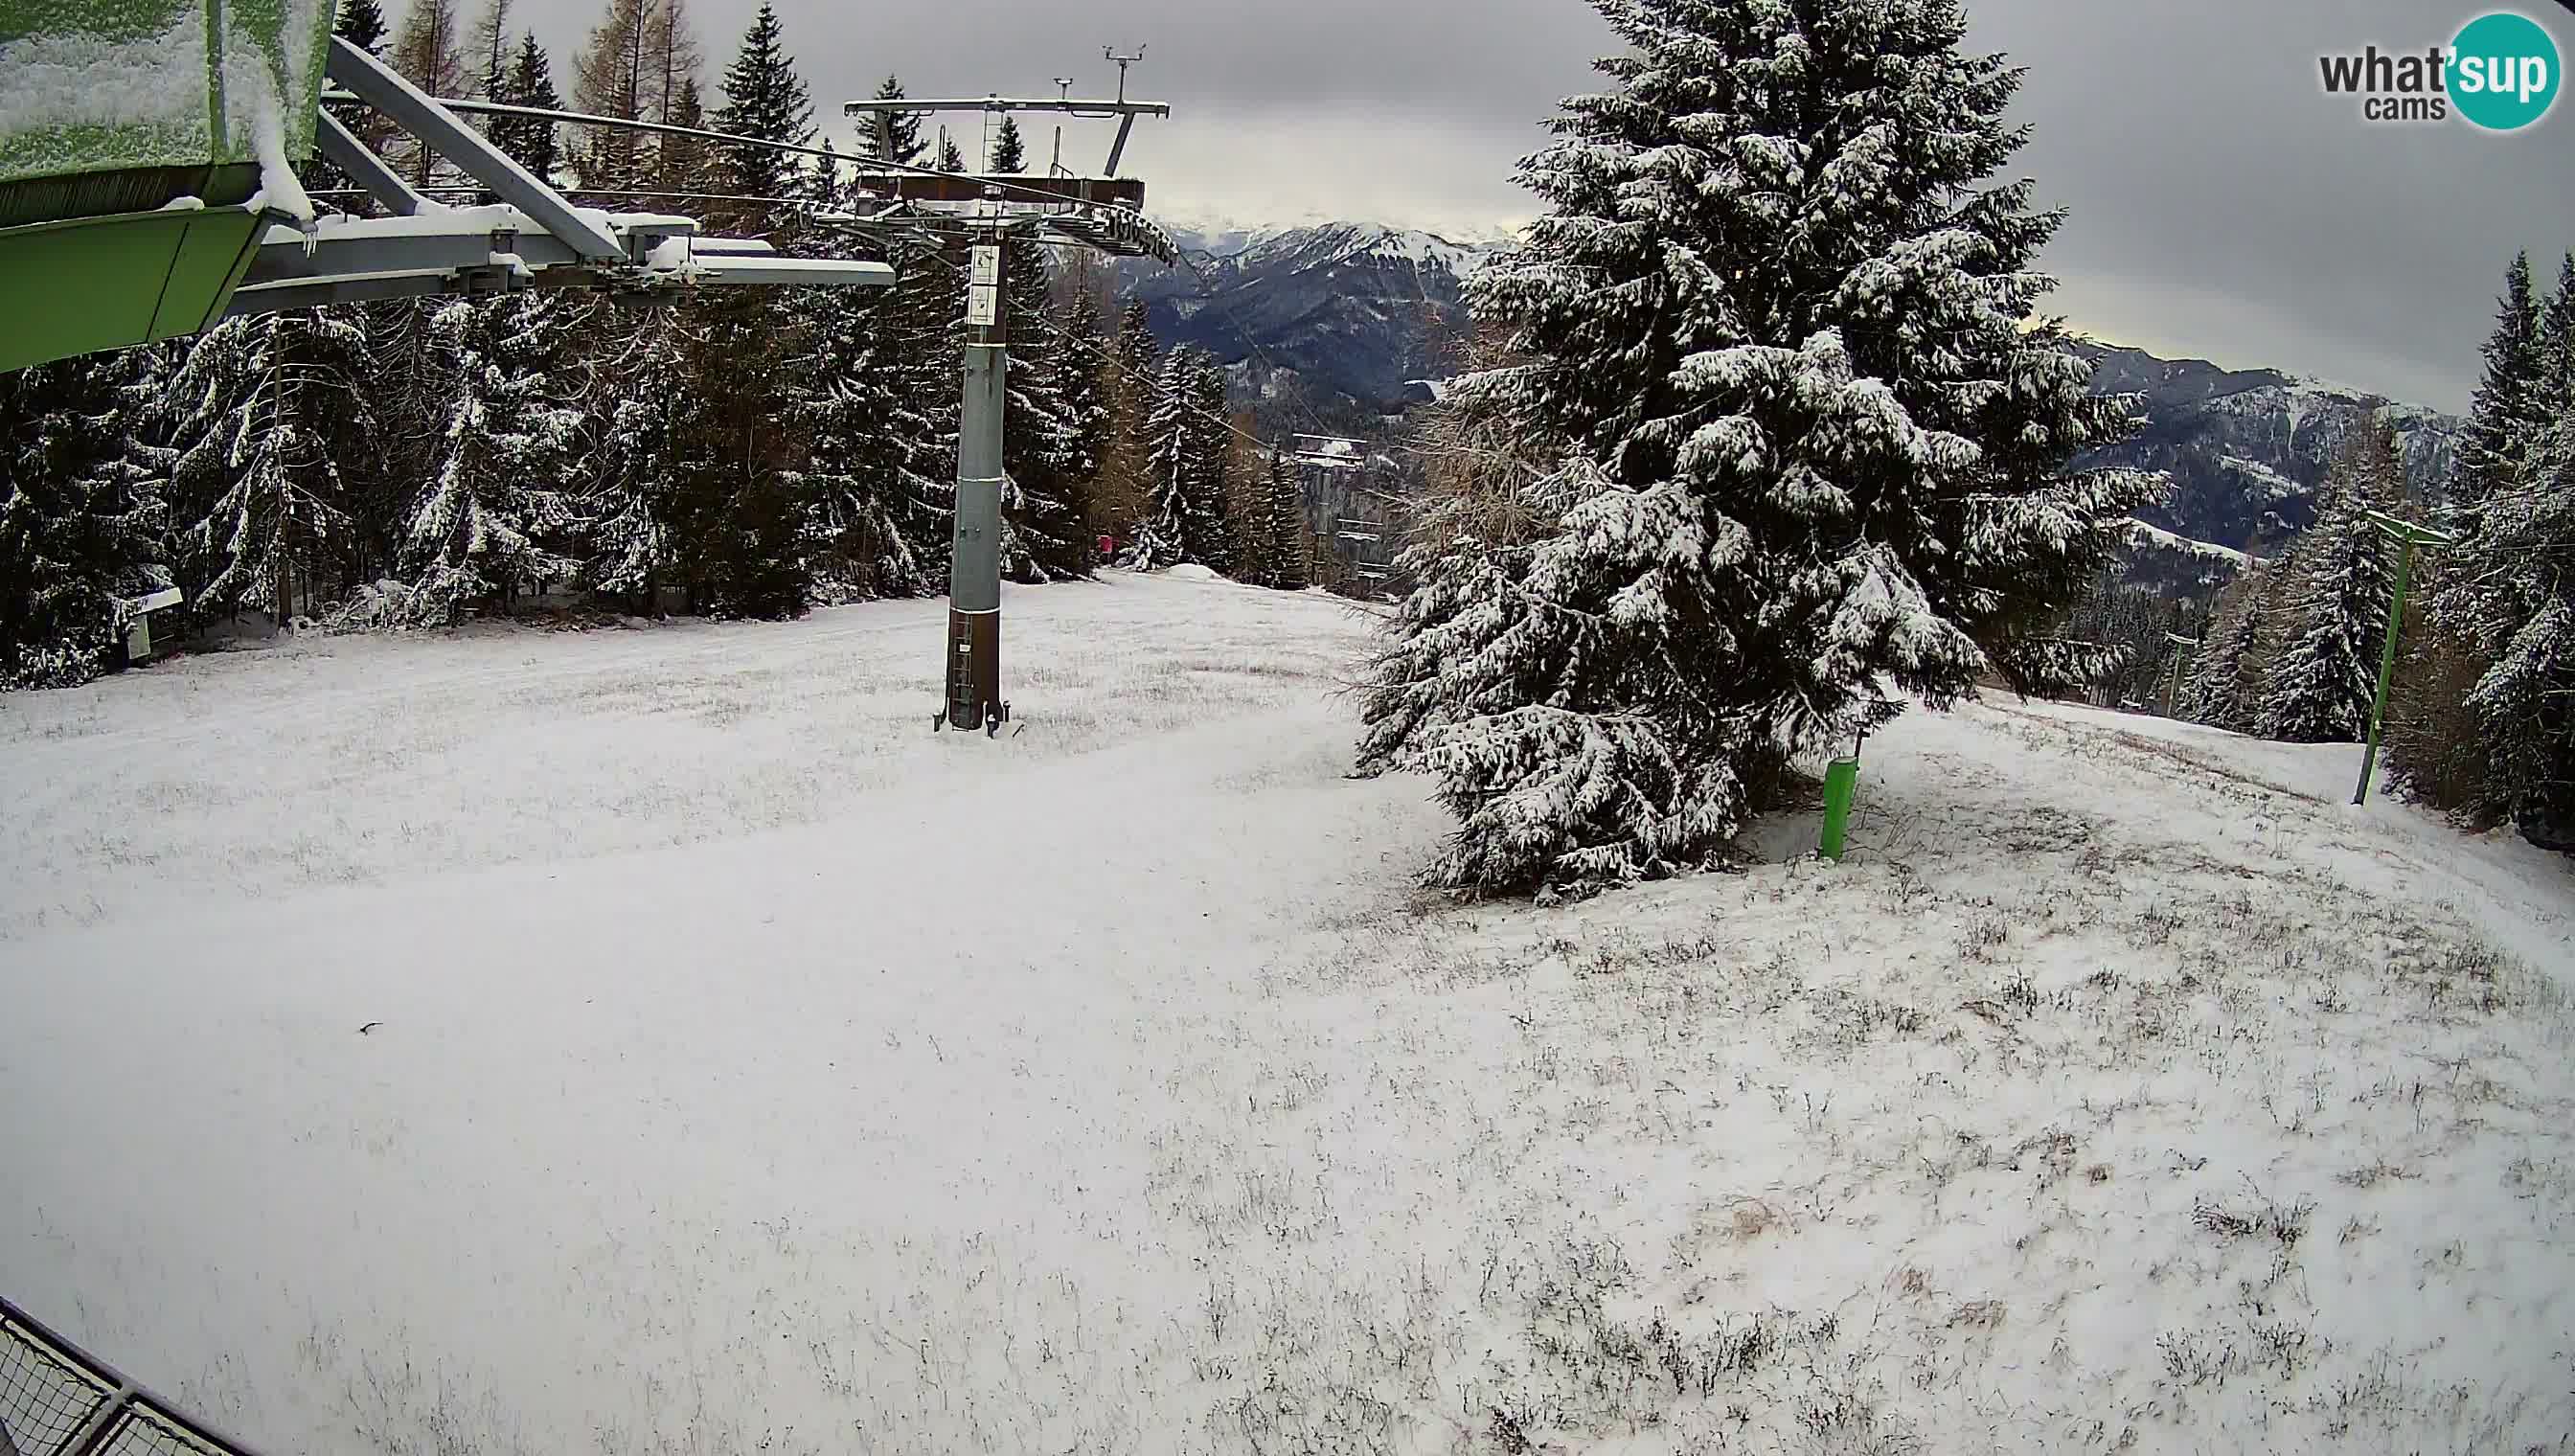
2386,667
1842,784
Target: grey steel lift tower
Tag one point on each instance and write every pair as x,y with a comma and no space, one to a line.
1104,213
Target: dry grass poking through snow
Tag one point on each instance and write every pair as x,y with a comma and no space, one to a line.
2123,1091
2042,1126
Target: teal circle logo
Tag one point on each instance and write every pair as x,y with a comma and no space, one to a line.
2504,72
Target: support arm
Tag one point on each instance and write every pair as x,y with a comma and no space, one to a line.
376,84
349,155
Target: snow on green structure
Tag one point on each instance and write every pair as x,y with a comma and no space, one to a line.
143,146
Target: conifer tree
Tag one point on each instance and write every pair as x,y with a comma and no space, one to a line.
256,485
764,98
532,142
672,50
1161,534
1185,518
905,127
2319,688
1212,539
626,515
827,180
492,518
684,165
1816,439
1291,553
362,24
2503,417
1047,509
1085,366
950,159
1009,154
921,319
81,515
639,62
2226,674
2517,597
858,475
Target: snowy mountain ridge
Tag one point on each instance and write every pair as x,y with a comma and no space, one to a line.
2245,449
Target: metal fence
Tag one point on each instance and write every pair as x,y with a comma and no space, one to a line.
58,1400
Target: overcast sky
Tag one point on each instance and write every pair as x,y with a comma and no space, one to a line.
2223,207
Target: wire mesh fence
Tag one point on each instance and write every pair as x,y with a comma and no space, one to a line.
58,1400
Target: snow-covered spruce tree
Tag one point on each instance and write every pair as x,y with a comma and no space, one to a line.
81,519
255,488
2318,688
2520,600
921,317
493,518
2504,418
1816,440
642,415
1050,508
2225,688
1291,556
849,404
1211,479
1162,534
2436,751
1088,388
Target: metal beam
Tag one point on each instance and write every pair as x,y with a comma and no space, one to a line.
349,288
1124,192
953,187
433,242
376,84
1066,105
368,170
730,268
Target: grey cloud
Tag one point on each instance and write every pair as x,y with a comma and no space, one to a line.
2221,205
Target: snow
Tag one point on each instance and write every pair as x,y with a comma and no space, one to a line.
2155,535
153,88
152,91
2260,476
1334,244
1192,572
752,1070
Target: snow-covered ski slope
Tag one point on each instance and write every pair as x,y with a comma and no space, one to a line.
750,1070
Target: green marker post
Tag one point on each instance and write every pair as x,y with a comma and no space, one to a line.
2184,647
1841,785
2407,536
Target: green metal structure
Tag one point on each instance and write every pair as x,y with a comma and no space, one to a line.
2407,536
138,139
1841,787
